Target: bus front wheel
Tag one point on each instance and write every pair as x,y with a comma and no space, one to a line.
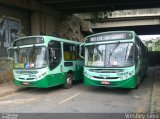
69,81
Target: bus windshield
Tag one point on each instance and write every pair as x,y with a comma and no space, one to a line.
30,57
110,55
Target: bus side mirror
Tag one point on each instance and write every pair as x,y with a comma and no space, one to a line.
139,52
9,53
81,51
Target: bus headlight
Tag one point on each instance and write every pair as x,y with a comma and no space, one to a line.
88,76
123,77
131,73
32,76
42,75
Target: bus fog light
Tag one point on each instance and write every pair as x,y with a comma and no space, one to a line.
44,74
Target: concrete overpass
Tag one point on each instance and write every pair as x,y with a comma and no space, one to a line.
143,21
81,6
141,25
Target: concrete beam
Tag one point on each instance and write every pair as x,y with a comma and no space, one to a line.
45,20
52,11
21,4
151,12
35,23
60,1
124,23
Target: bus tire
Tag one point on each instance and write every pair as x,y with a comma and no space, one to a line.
145,75
138,83
69,81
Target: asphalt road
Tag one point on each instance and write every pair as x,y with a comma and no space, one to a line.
80,99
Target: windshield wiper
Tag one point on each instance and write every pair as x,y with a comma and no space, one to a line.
126,52
98,50
110,54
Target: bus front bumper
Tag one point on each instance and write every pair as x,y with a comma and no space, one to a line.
127,83
46,82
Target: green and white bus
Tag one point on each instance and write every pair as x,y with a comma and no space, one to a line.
46,61
114,59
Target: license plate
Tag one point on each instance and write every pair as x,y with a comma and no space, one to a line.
25,83
105,82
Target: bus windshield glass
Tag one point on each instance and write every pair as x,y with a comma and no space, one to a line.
30,57
110,55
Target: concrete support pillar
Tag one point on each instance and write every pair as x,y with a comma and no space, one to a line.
35,23
86,26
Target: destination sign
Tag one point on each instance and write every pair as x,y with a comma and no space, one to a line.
28,41
110,36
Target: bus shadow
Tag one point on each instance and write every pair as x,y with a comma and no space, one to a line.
33,90
117,91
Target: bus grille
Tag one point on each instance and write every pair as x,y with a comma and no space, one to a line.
105,78
26,72
106,70
27,78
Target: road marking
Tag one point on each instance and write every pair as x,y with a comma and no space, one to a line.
68,98
17,101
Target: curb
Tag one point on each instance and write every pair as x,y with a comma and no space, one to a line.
13,89
155,94
7,93
4,90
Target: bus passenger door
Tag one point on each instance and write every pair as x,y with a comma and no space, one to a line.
69,58
55,57
79,63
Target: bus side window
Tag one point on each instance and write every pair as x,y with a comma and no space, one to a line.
69,51
54,53
73,54
77,52
66,55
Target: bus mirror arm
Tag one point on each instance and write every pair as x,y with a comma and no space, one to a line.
139,52
80,51
8,52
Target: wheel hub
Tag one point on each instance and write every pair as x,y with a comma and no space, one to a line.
69,80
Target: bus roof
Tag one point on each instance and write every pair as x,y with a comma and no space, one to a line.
49,38
108,32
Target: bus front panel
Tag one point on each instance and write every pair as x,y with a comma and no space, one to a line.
112,77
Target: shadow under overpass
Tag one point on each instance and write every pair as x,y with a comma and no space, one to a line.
154,58
140,30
